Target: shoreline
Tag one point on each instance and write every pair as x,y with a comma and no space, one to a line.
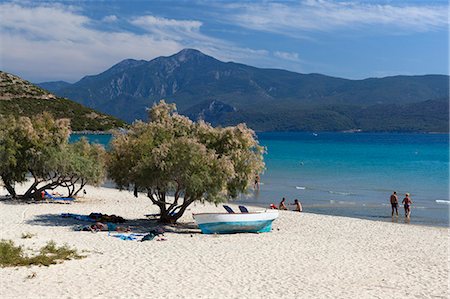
351,131
376,218
305,255
109,132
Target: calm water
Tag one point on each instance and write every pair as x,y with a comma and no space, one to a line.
354,174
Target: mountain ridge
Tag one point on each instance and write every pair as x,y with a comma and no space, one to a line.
190,78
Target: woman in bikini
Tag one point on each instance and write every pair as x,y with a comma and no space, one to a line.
407,205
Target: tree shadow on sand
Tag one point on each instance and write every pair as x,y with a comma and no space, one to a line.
7,200
141,226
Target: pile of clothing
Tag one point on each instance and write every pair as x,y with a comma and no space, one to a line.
95,217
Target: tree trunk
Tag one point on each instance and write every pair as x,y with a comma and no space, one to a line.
167,218
11,190
31,191
170,217
83,183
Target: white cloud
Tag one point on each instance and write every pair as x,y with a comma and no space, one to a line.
287,55
56,42
323,15
150,23
110,19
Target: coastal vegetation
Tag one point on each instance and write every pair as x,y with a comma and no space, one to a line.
21,98
193,161
12,255
39,147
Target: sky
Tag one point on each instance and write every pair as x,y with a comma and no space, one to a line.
67,40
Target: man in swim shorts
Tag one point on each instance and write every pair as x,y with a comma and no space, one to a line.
298,206
394,203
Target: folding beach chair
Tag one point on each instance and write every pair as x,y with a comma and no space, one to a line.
243,209
229,210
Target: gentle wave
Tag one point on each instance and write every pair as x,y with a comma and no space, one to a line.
346,202
340,193
443,201
342,202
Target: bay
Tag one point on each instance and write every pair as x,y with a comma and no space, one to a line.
353,174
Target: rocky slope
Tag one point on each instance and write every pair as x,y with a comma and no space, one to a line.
21,98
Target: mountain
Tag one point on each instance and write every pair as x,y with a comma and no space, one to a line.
53,86
266,99
21,98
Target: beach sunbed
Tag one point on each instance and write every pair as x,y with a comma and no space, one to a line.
66,199
229,210
243,209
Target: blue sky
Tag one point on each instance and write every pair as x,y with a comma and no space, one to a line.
66,40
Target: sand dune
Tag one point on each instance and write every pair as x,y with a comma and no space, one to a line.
305,256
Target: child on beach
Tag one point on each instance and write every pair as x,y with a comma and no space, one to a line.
407,205
282,205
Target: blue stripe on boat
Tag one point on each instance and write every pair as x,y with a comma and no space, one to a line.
236,227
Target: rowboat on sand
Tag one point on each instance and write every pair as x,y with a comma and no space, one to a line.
229,223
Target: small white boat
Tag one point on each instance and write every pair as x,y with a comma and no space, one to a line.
228,223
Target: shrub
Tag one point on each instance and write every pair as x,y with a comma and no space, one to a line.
12,255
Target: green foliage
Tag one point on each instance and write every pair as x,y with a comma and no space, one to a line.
21,98
191,160
40,147
13,256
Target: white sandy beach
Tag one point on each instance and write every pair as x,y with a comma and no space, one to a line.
305,256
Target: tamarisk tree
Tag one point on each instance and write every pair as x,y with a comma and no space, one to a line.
177,161
39,148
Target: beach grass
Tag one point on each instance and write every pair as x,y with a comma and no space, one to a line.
12,255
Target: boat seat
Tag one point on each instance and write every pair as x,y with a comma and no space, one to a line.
229,210
243,209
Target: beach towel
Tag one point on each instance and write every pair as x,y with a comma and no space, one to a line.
48,195
129,237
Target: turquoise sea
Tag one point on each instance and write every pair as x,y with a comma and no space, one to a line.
353,174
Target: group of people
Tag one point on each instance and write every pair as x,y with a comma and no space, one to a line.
406,204
282,205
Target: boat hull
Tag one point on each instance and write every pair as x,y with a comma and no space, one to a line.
235,223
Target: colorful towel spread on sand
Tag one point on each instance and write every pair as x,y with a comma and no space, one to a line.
128,237
156,232
48,195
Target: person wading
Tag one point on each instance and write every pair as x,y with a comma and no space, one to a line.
394,203
407,205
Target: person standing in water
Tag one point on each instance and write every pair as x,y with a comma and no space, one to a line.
407,205
394,203
256,186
